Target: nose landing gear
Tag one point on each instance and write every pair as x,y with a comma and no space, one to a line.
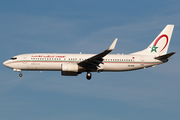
88,75
18,70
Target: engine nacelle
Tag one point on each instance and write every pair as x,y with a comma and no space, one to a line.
69,69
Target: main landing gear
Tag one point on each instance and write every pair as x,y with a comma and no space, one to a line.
20,74
88,75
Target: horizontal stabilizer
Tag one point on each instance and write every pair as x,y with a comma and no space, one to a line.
166,56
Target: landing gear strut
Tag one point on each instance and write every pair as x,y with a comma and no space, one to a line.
88,76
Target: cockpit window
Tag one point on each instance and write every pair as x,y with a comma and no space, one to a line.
13,58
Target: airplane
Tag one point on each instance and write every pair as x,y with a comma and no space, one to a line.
74,64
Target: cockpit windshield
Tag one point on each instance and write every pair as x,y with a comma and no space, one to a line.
13,58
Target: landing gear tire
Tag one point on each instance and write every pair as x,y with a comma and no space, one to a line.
20,75
89,75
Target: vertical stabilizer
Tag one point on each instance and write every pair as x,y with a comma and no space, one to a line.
160,44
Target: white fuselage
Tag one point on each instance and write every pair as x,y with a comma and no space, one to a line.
74,64
53,62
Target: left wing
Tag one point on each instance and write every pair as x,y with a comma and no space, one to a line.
92,63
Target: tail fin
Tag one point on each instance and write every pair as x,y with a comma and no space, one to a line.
160,44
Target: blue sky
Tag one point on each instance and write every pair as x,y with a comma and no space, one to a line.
90,26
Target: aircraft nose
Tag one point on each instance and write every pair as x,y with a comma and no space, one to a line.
5,63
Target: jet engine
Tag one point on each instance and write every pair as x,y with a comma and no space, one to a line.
69,69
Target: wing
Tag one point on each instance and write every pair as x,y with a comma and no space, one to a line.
92,63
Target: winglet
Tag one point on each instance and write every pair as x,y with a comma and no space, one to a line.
113,45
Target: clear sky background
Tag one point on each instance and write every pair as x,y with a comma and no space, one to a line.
88,26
